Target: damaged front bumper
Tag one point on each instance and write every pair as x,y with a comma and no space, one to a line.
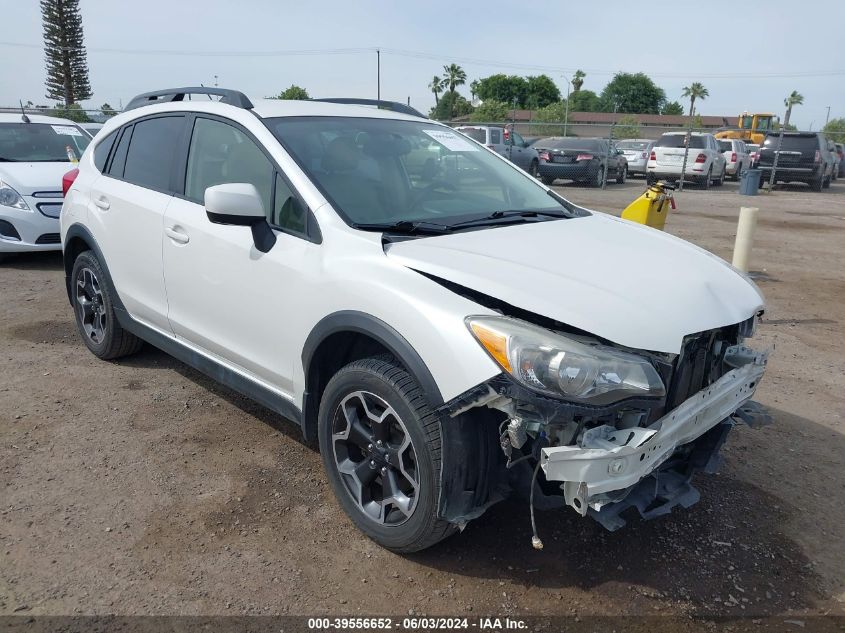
614,469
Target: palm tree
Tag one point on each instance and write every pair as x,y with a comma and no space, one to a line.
436,86
473,88
796,98
454,77
578,80
695,91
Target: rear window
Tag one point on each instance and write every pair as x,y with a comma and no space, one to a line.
725,146
593,145
677,140
474,133
793,143
632,144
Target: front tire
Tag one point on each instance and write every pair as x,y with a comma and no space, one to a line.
705,182
534,169
93,306
381,447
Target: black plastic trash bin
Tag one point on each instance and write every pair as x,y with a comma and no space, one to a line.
749,183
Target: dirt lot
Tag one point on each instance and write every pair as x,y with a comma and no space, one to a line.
141,487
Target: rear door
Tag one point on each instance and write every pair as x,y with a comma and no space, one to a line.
128,205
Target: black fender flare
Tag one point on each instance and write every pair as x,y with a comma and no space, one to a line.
81,232
383,333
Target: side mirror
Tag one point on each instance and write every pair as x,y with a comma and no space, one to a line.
239,204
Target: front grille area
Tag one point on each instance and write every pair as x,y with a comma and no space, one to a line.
49,238
700,364
8,231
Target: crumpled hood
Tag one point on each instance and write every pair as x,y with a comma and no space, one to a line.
624,282
27,178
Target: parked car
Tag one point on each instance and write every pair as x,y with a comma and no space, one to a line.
803,157
35,152
753,153
421,327
840,150
580,159
636,152
705,162
505,142
737,158
837,159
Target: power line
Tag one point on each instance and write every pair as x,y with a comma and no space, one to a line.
441,58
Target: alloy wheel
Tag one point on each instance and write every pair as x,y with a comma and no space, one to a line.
375,457
91,305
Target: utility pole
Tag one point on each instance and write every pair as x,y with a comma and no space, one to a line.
775,161
378,74
827,118
566,109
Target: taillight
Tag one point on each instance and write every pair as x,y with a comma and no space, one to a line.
818,157
701,158
653,155
67,180
584,157
733,157
544,156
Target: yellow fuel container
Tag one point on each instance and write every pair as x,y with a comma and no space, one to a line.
652,207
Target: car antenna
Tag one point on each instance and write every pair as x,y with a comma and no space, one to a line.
24,118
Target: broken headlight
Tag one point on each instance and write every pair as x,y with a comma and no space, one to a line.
562,367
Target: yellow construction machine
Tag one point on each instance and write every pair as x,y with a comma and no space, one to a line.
751,128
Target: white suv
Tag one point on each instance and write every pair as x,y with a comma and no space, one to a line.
705,163
449,329
35,153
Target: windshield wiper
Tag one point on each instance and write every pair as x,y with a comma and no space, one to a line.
511,216
408,227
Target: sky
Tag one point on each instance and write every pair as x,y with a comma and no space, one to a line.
746,64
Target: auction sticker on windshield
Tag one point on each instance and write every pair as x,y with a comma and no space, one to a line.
67,130
451,141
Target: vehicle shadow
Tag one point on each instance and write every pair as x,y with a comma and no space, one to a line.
47,260
729,553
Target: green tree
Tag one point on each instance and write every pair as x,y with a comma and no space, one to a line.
673,107
578,80
695,90
107,111
835,130
504,88
74,112
552,113
697,122
542,91
67,64
795,98
584,101
633,94
294,93
473,88
451,105
454,77
436,86
628,126
490,112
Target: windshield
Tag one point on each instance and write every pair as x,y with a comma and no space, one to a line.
382,171
41,142
677,140
632,145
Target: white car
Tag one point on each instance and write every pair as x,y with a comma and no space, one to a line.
636,151
451,330
35,153
705,163
737,156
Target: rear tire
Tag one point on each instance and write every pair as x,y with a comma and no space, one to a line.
93,307
547,180
826,183
704,182
721,179
598,178
817,183
374,412
534,169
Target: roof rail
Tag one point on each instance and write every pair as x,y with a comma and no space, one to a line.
232,97
395,106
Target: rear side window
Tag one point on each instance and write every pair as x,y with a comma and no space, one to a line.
495,137
677,140
119,159
101,152
149,161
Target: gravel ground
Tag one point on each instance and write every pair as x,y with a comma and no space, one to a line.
141,487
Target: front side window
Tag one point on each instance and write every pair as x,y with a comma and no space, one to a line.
385,171
41,142
152,150
220,153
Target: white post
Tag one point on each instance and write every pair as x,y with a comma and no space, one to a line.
744,237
